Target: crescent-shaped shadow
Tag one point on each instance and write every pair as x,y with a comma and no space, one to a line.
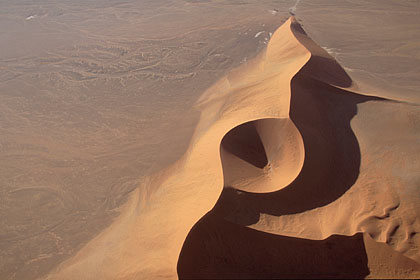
315,176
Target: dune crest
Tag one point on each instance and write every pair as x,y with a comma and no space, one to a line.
269,131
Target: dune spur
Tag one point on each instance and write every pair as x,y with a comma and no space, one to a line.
256,134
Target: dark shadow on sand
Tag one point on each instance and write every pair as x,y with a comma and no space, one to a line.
218,249
244,142
322,113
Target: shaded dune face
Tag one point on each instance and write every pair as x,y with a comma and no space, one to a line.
244,142
326,165
264,155
330,151
321,165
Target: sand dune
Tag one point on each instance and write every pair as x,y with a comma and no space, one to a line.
257,192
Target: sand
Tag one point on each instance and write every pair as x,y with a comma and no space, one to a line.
278,136
289,164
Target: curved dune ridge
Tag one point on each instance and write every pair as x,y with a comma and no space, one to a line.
275,146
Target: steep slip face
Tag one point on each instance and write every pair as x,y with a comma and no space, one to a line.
274,141
353,177
375,41
346,186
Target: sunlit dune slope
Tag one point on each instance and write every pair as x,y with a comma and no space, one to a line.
276,143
